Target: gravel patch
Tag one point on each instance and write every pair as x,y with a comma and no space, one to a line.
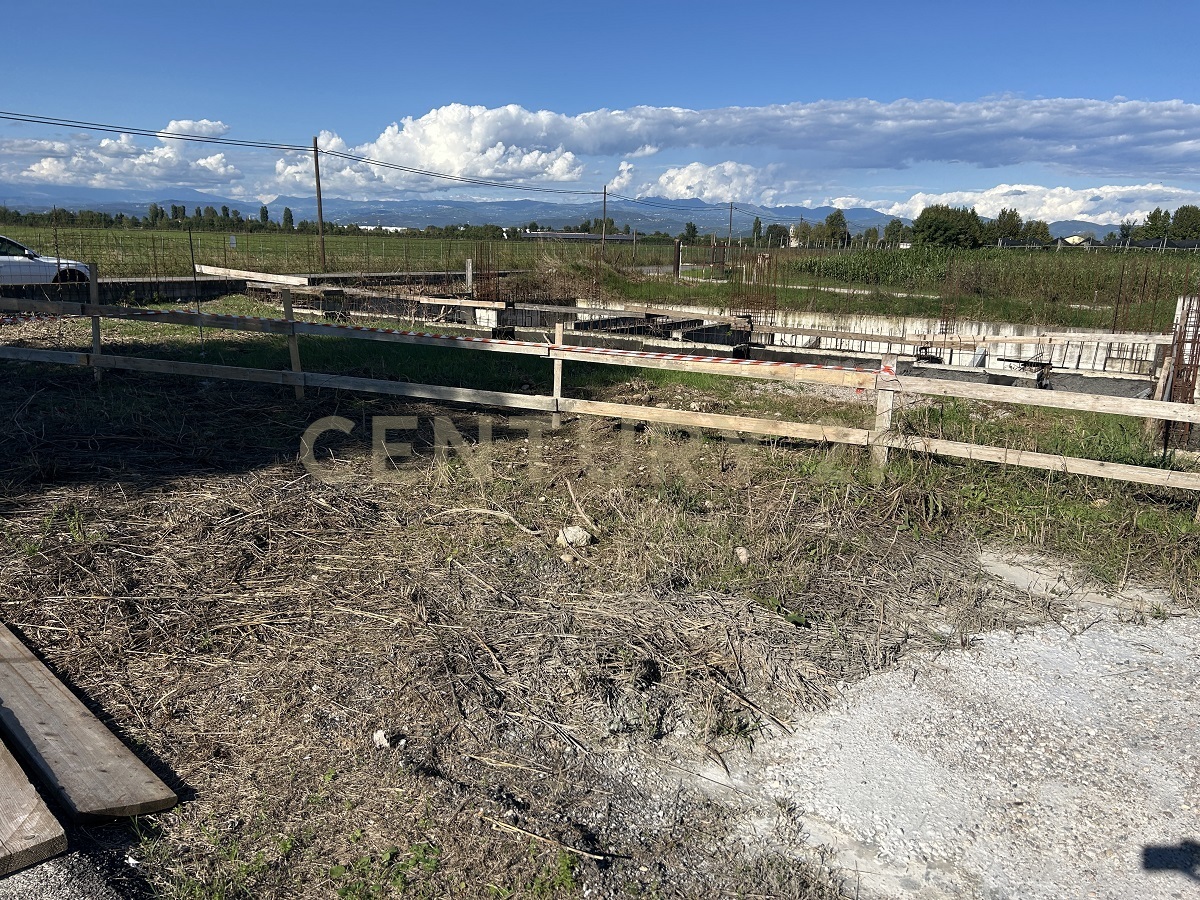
1061,762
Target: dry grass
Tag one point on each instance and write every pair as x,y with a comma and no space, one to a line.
249,627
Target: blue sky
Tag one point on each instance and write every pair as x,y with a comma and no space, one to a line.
1060,110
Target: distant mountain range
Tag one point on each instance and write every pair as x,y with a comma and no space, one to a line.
651,214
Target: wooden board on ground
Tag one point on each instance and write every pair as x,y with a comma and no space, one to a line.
29,833
69,749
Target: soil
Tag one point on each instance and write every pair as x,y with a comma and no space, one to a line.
554,723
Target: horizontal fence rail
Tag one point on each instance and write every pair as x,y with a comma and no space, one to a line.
884,382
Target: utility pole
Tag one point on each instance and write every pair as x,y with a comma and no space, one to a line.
603,223
729,242
320,212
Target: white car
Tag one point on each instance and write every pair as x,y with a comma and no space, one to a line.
20,265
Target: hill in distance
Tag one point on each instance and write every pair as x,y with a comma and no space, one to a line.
649,215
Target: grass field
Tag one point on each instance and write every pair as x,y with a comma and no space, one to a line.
1123,291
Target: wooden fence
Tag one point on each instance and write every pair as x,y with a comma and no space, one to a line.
884,381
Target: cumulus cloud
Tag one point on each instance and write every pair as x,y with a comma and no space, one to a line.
197,127
1106,204
623,179
722,183
749,154
123,162
35,147
1101,137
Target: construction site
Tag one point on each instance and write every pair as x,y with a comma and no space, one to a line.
497,581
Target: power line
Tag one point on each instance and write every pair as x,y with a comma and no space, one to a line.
145,132
338,154
278,145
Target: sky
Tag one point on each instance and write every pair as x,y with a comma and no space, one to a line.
1061,111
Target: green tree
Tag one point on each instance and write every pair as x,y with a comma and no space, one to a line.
287,223
690,233
893,232
775,236
756,231
948,226
1035,231
1185,225
871,236
1156,226
836,229
1006,226
264,216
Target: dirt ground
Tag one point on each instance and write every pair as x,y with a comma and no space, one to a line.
374,679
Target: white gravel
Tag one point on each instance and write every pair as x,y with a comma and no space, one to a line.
1041,765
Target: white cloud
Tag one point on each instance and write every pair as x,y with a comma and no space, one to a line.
197,127
623,179
1124,137
1107,204
722,183
750,154
15,146
122,162
512,144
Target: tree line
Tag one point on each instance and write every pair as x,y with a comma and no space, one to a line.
938,225
177,218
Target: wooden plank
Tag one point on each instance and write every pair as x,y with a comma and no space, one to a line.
200,370
557,378
451,341
94,300
1153,426
340,382
885,402
734,368
425,299
1051,462
1122,406
267,277
29,833
32,354
834,434
42,307
293,341
500,399
202,320
75,756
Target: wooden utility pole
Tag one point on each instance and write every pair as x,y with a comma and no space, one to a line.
320,212
603,223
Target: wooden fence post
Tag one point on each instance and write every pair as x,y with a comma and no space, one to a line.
1154,426
94,300
885,400
293,343
556,416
